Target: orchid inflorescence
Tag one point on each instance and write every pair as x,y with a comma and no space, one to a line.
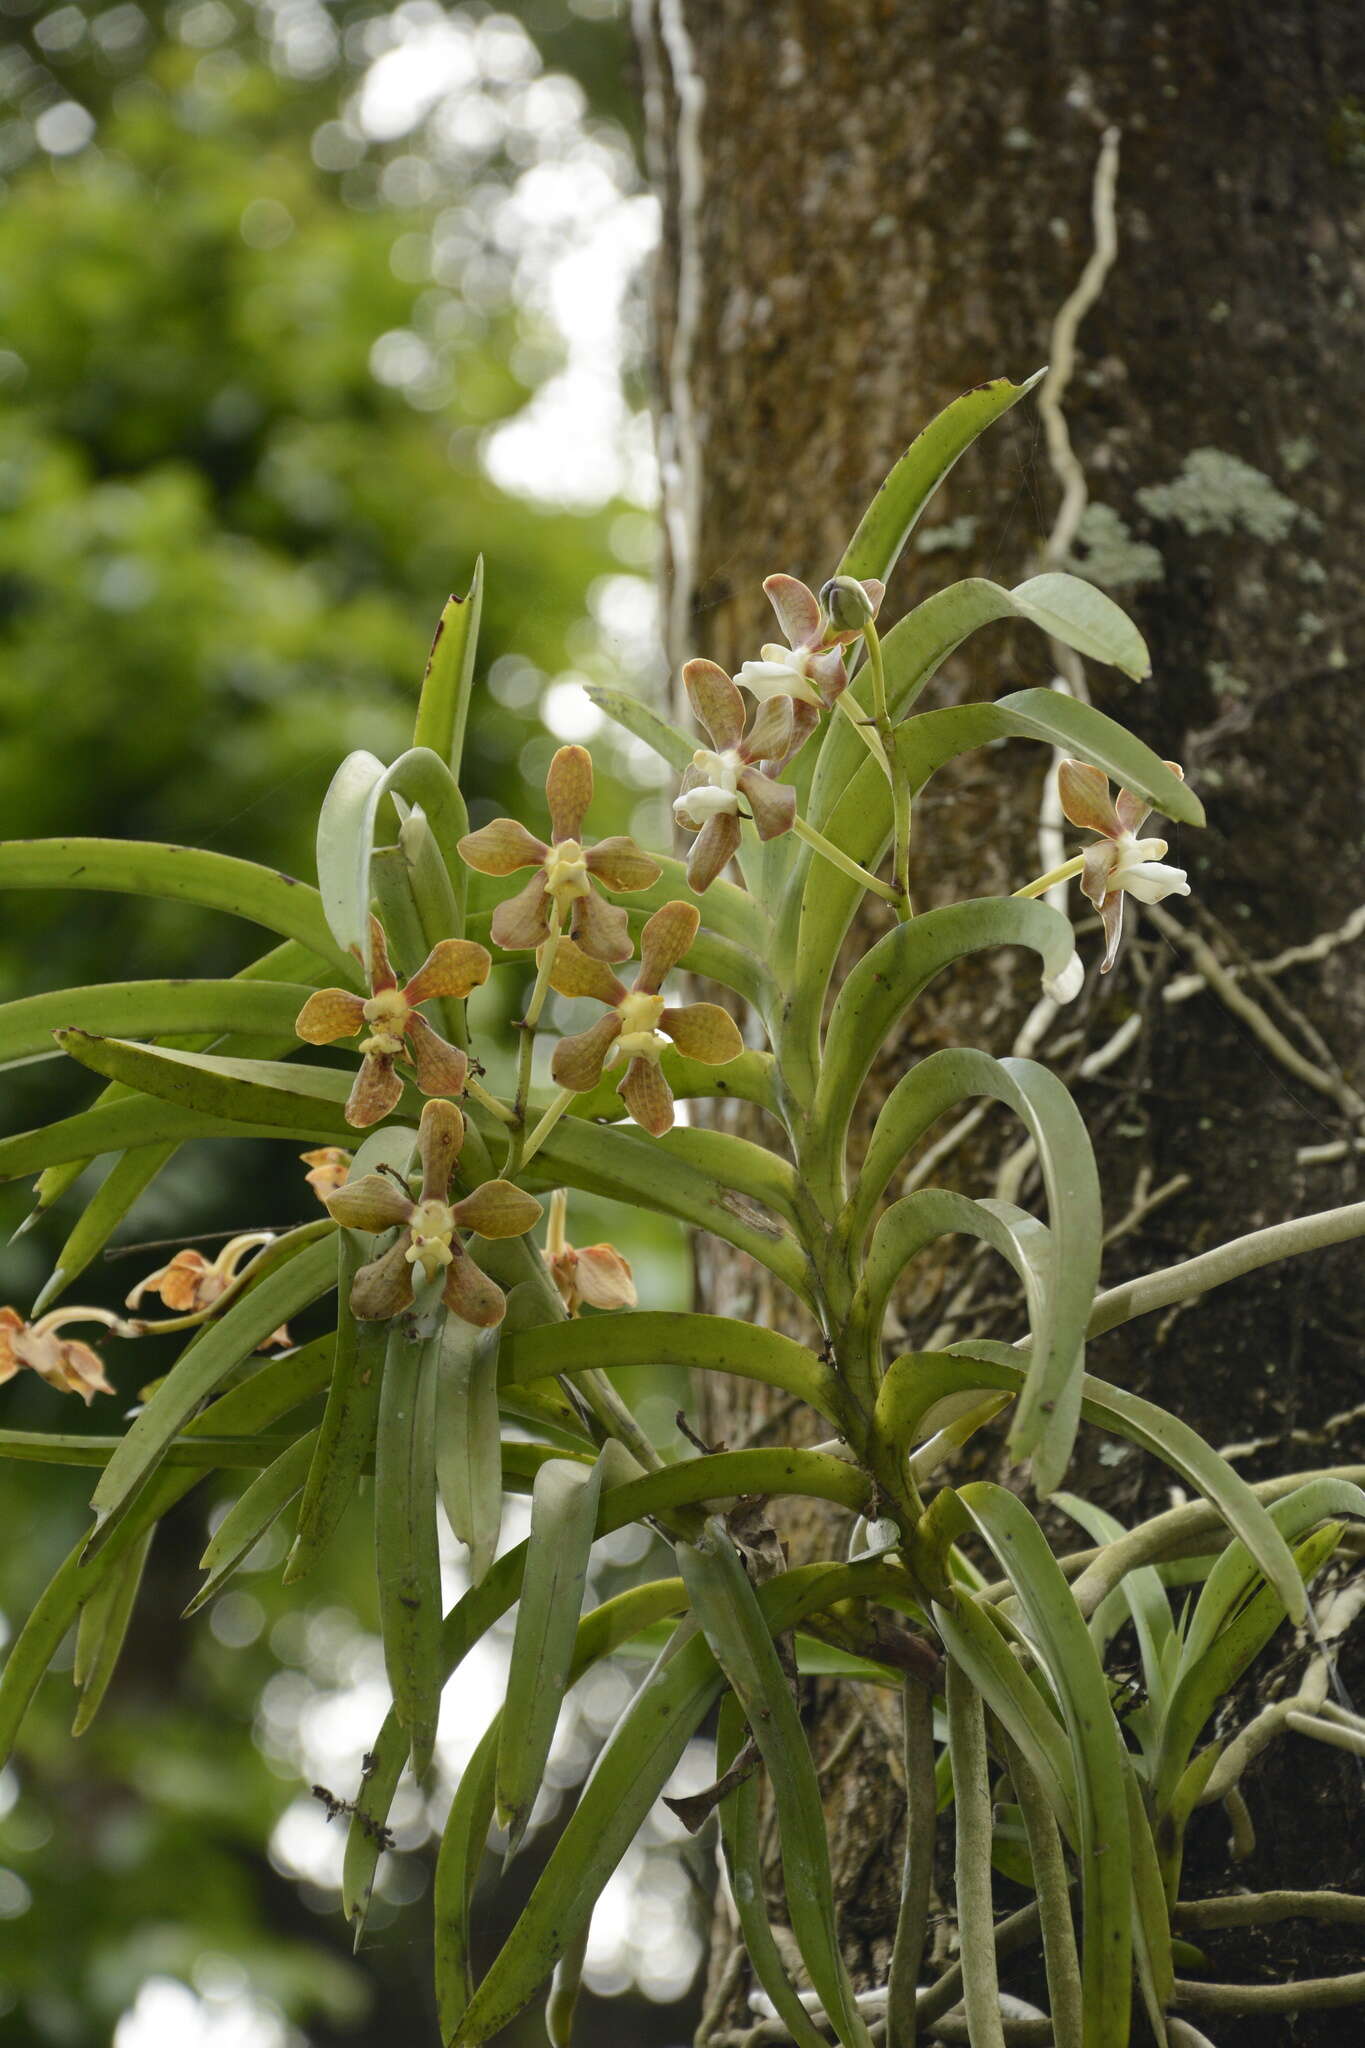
799,782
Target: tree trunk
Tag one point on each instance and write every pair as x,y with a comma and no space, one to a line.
869,206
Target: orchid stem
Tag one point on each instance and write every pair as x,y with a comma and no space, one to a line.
866,732
1043,883
545,960
900,788
845,862
475,1089
543,1129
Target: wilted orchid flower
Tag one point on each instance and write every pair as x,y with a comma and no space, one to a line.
395,1030
191,1284
64,1362
631,1030
738,764
328,1167
597,1274
810,668
565,869
432,1224
1120,863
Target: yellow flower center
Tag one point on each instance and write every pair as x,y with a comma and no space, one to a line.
432,1226
566,874
388,1012
639,1038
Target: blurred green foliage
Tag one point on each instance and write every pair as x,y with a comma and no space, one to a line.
248,356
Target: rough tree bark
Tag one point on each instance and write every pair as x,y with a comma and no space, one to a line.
869,206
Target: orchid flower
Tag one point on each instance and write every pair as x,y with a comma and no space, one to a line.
1119,863
190,1284
738,764
636,1019
64,1362
565,869
431,1229
597,1274
810,668
395,1030
328,1167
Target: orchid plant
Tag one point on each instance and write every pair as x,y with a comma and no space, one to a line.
800,795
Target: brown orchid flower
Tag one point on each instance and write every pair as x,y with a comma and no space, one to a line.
431,1229
395,1030
191,1284
597,1274
738,764
1119,863
64,1362
810,668
565,869
636,1017
328,1167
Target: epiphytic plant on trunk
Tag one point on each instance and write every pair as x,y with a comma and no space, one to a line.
448,1313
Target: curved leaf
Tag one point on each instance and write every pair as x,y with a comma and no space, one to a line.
349,820
894,513
147,1009
103,1626
407,1554
664,1337
178,874
889,978
1152,1429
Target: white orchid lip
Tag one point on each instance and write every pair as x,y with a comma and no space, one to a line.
718,795
780,673
1140,870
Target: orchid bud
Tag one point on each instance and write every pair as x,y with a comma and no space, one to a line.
847,605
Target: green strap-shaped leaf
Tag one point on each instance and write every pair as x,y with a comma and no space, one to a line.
200,1371
103,1627
628,1776
1234,1574
722,1475
344,1447
972,1861
636,718
1048,1409
563,1519
1152,1429
1142,1594
348,824
466,1830
255,1511
1105,1845
664,1337
1151,1916
725,1604
132,1121
972,1636
895,511
925,743
407,1555
1220,1657
739,1837
272,1093
147,1009
565,1986
448,682
255,1405
468,1445
890,977
720,1183
178,874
